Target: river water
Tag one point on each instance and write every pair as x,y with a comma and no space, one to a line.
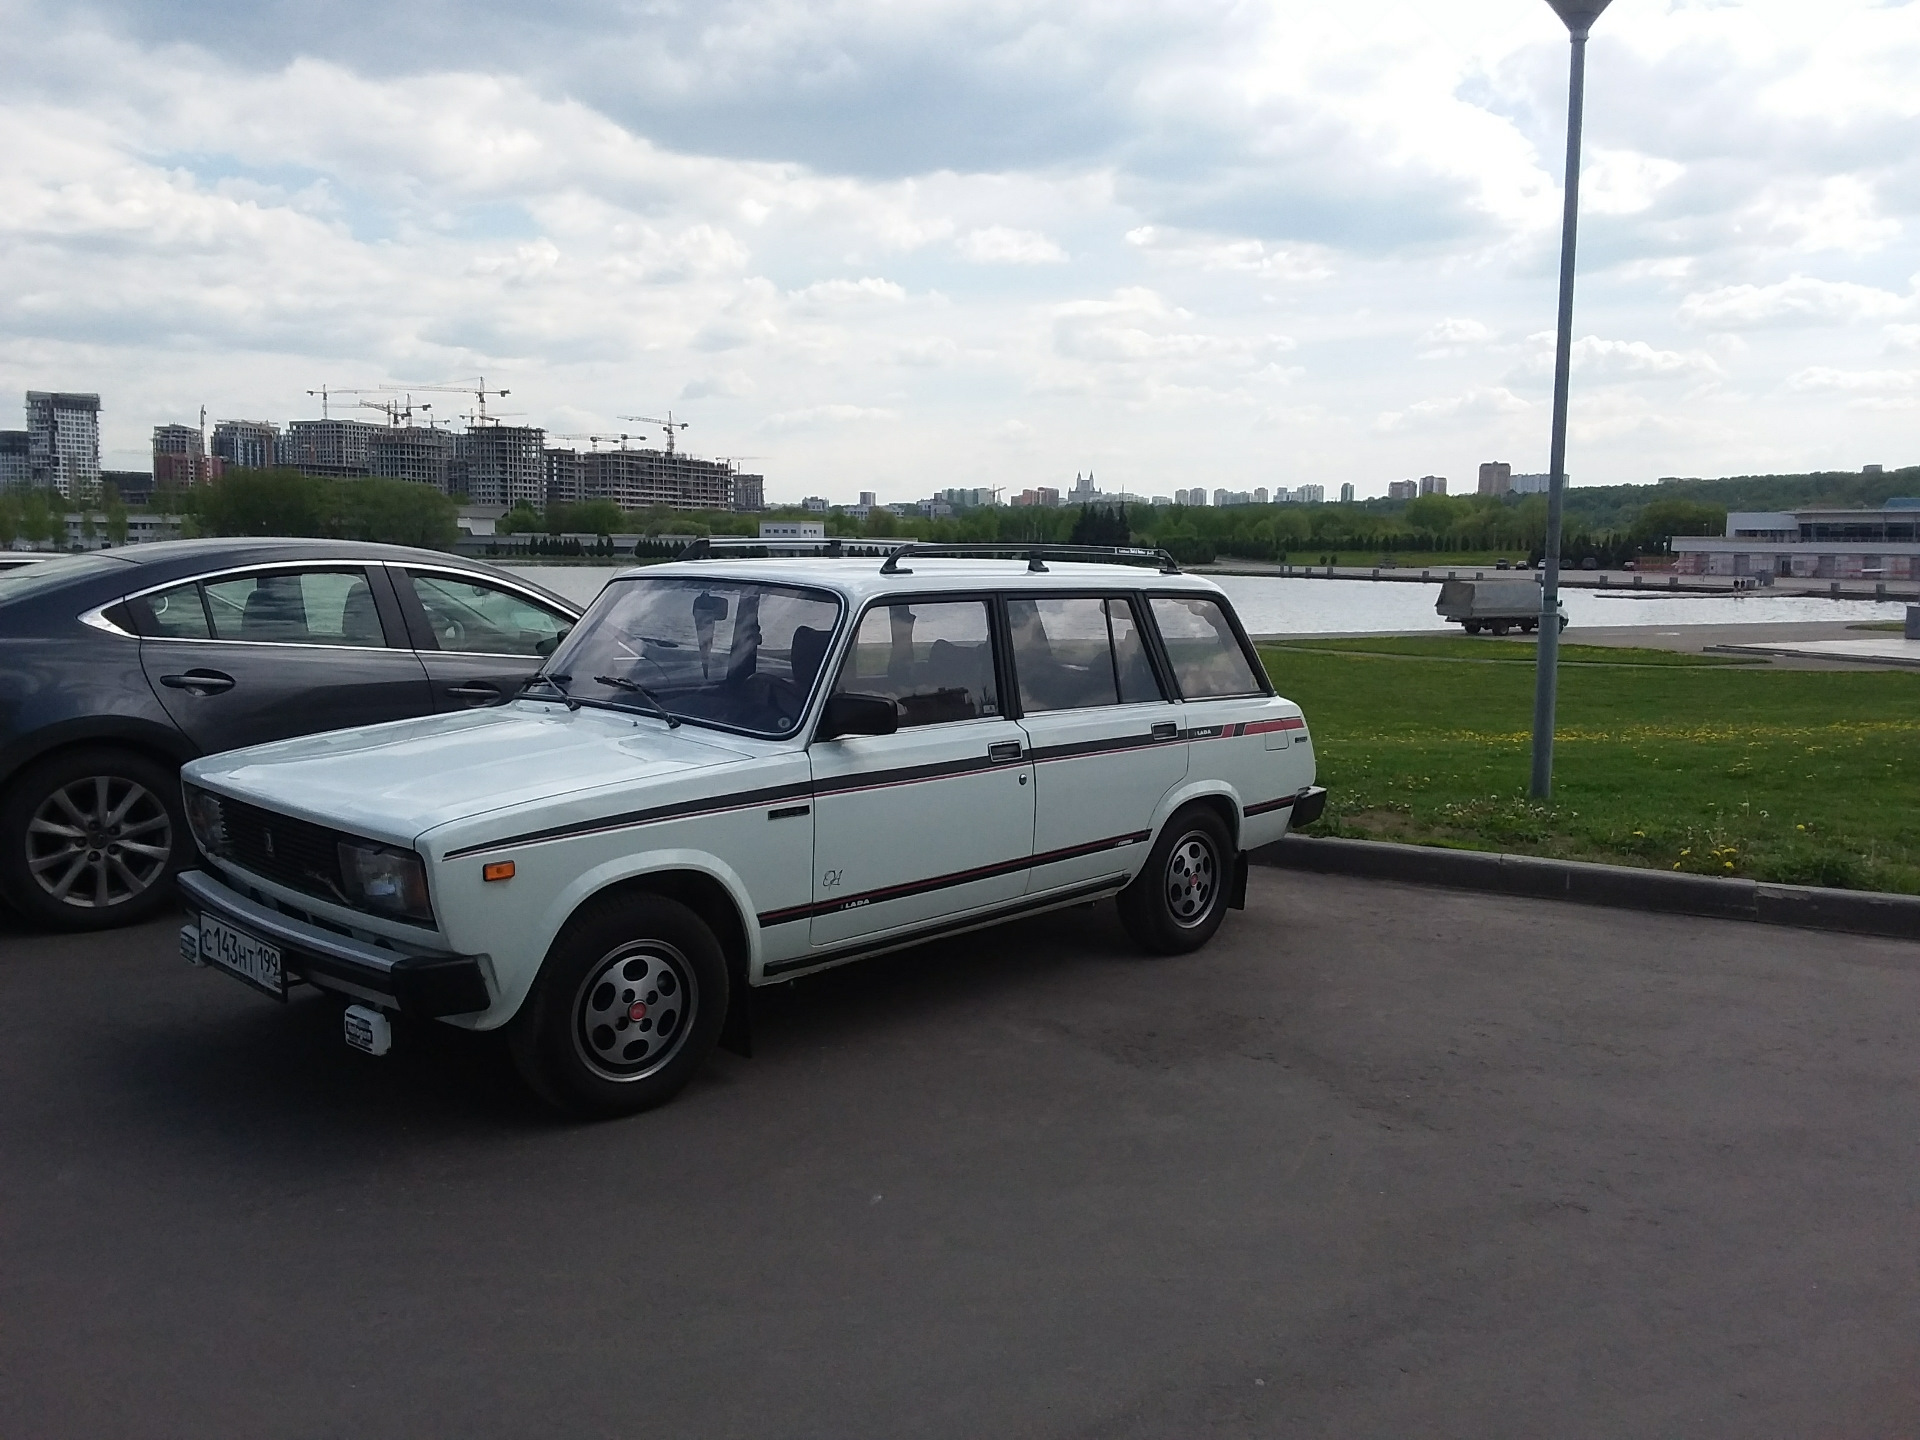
1280,605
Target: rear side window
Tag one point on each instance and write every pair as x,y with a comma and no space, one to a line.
933,659
176,614
296,607
1205,653
1074,653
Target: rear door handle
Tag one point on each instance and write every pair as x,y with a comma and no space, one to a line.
199,682
1166,730
1004,753
476,692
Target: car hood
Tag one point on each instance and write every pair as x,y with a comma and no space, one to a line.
399,780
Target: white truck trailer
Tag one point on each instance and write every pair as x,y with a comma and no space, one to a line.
1496,605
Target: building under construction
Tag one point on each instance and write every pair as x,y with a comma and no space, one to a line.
419,454
501,465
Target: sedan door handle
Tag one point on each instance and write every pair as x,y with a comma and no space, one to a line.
1166,730
199,682
1004,753
477,692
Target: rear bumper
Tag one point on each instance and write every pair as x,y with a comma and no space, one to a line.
1309,807
427,985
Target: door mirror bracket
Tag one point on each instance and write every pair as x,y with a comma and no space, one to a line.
857,715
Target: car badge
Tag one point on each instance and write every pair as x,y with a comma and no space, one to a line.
267,837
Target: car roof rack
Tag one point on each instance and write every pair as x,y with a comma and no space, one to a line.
834,547
1036,554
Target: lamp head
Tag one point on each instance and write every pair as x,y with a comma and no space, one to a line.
1579,15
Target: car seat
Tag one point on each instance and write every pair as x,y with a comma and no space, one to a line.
360,618
275,611
809,650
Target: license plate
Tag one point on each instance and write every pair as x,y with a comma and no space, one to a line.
242,956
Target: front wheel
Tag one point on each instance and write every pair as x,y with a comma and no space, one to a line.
91,838
1179,897
627,1007
1473,627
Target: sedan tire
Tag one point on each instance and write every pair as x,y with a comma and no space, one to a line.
1180,896
91,838
627,1007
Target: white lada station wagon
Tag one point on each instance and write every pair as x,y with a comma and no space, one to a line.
736,771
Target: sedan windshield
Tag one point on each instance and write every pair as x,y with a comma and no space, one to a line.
736,653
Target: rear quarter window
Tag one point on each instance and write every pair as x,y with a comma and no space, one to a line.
1207,658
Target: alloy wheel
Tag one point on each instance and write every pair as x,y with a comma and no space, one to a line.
99,841
633,1013
1193,875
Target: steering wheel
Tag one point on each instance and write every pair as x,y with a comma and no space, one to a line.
452,633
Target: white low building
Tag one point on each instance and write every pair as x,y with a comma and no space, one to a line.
1882,544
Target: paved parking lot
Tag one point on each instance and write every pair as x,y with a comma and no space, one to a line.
1382,1161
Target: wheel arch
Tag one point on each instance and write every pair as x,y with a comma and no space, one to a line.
158,743
1216,795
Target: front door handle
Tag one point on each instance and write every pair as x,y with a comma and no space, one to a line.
476,692
199,682
1166,730
1004,753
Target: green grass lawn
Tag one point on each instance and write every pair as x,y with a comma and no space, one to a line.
1805,776
1494,649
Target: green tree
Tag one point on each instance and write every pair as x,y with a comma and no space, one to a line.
1666,518
522,519
9,520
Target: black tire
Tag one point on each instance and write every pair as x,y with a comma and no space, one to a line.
91,838
572,1043
1500,627
1473,627
1179,897
1526,626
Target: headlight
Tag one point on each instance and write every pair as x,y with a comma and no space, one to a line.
385,881
208,822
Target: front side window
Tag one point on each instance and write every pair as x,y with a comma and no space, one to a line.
478,618
295,607
933,659
736,653
1207,660
1073,653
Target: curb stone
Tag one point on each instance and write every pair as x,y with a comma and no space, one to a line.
1810,907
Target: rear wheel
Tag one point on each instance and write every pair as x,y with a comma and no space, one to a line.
1179,897
1500,627
1526,626
627,1007
92,838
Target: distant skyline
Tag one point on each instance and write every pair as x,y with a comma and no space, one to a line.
868,246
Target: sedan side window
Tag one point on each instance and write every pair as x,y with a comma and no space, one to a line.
933,660
175,614
1208,662
478,618
1072,654
296,607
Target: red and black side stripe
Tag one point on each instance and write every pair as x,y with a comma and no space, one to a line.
1245,727
946,882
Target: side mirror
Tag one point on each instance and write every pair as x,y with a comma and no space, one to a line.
857,715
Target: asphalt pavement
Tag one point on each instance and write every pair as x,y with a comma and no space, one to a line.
1381,1161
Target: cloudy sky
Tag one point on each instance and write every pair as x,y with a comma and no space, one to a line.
904,244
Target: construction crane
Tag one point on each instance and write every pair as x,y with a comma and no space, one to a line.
594,440
670,425
326,394
478,389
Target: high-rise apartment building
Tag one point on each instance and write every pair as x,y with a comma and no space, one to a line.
180,458
1496,477
566,476
246,444
418,454
337,449
501,465
16,470
1534,484
1309,494
1346,493
1403,489
645,479
1433,484
63,442
749,493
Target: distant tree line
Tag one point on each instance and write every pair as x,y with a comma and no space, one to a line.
285,502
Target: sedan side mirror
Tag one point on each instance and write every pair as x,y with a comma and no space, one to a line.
857,715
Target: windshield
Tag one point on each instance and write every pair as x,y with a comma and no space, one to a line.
735,653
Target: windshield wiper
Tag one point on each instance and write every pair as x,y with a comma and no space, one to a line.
635,688
556,682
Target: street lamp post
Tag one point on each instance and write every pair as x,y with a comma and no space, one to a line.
1579,16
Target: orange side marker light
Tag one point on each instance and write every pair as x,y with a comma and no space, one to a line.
497,870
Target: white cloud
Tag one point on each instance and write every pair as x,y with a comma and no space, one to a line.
1800,300
1002,245
815,417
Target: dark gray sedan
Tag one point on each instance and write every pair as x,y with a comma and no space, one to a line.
118,667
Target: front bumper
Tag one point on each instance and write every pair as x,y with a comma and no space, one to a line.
416,984
1309,807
